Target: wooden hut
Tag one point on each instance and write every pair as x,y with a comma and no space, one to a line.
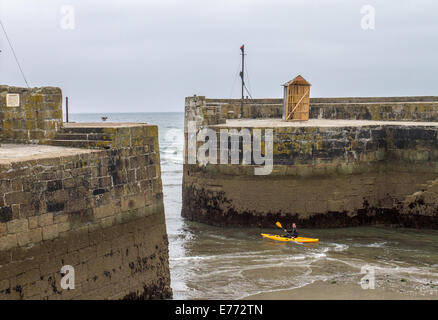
296,100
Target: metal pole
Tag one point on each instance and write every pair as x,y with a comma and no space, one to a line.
242,75
66,109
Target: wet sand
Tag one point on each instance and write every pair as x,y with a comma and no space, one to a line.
322,290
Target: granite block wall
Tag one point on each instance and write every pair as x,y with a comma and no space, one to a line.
94,202
323,176
100,211
36,117
216,111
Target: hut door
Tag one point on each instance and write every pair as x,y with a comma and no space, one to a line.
298,102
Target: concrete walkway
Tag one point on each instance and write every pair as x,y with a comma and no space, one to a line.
10,153
102,124
278,123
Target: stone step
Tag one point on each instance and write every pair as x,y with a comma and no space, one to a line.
87,144
86,130
83,136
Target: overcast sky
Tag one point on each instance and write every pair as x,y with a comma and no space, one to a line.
146,56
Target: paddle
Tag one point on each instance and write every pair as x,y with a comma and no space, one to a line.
300,241
278,224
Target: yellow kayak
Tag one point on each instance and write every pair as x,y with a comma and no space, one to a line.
297,239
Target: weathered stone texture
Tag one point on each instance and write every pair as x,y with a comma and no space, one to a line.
123,260
323,176
312,199
38,117
104,136
100,211
215,111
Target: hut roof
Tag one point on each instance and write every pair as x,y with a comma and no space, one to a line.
297,80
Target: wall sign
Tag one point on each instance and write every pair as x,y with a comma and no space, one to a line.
12,100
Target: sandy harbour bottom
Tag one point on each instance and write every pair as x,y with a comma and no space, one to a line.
324,290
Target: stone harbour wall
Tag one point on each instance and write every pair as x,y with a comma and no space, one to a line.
328,175
216,111
102,135
37,117
312,201
81,194
100,211
405,111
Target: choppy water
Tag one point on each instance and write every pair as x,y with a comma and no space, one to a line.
217,263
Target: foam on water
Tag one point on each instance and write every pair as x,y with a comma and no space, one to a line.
379,244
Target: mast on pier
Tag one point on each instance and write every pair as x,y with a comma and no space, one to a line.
242,76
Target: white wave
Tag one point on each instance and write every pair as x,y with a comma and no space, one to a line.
387,267
338,247
189,258
372,245
319,255
169,151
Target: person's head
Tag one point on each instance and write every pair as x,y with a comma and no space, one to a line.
294,225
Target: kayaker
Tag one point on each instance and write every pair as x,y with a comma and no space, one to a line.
292,232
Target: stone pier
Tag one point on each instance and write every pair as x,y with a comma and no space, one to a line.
87,196
358,161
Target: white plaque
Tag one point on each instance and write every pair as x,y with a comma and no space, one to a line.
12,100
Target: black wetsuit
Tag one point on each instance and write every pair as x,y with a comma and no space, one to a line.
292,233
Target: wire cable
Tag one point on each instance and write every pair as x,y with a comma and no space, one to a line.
13,52
248,80
234,82
247,91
